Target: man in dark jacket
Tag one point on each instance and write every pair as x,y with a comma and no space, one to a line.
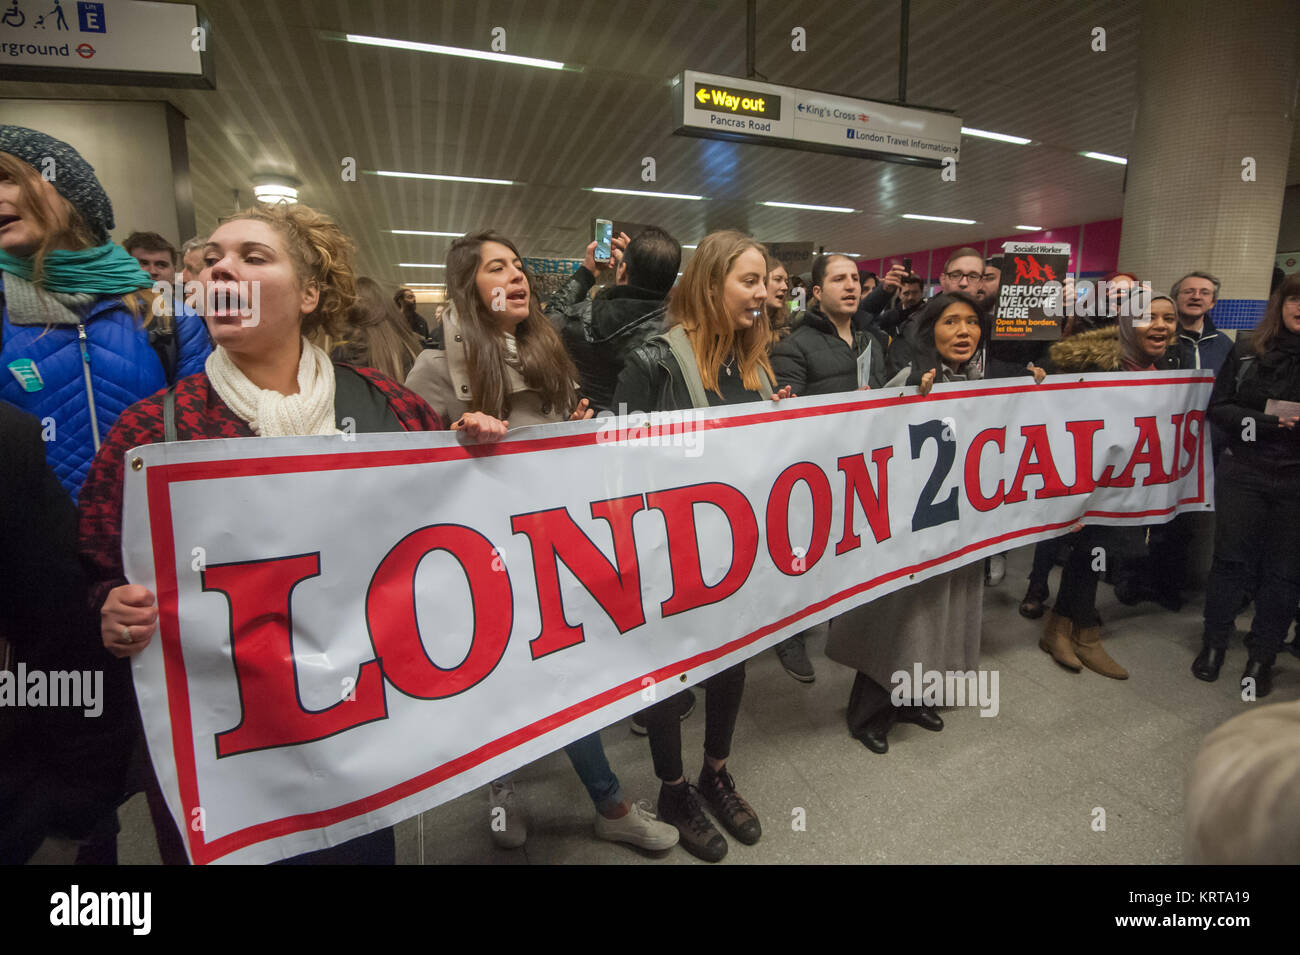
898,324
1194,295
821,357
600,332
62,768
405,300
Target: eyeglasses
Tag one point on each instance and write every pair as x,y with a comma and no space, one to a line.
968,276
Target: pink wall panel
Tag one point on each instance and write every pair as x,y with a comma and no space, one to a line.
1101,246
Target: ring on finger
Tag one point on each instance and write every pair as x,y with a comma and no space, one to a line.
126,635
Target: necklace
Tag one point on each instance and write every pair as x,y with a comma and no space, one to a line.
726,365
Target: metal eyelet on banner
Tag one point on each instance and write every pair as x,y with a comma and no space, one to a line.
136,464
683,677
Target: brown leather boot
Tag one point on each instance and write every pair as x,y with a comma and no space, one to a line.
1087,646
1057,640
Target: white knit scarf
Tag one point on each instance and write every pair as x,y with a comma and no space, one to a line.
269,413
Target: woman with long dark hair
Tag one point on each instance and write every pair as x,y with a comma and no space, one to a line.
377,335
504,367
714,353
936,622
1256,403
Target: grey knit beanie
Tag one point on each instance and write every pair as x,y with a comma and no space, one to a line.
72,177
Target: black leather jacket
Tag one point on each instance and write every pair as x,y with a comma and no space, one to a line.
599,333
651,380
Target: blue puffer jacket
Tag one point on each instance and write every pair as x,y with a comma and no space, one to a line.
123,369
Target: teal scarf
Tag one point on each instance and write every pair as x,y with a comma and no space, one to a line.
104,270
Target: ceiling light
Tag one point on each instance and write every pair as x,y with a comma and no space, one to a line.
689,247
454,235
847,255
1106,157
1030,228
275,189
421,265
800,205
429,175
638,192
910,215
454,51
1000,137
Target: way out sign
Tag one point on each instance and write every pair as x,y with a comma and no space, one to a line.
725,107
381,624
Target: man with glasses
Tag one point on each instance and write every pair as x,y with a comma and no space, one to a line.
1194,296
964,272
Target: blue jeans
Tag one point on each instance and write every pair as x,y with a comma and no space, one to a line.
589,762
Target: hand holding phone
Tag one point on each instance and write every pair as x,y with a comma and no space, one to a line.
603,234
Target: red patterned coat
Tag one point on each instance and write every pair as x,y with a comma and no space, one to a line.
200,413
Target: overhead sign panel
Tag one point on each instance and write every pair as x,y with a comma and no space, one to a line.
725,107
128,42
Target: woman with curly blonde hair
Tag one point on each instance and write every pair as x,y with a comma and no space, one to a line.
275,278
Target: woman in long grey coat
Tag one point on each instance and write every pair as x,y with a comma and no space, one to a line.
935,623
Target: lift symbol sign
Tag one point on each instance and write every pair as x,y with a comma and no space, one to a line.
730,99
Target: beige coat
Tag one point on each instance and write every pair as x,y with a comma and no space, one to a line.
442,379
935,623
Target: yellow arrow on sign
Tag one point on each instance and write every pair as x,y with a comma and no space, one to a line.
702,96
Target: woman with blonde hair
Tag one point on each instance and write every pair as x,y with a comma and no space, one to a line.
505,367
377,335
264,378
74,345
714,353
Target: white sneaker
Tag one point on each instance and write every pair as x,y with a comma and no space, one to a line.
506,819
995,570
638,828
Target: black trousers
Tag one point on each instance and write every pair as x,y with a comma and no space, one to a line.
1045,553
870,705
1256,544
1077,597
722,695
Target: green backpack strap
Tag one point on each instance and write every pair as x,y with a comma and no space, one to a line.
367,407
685,355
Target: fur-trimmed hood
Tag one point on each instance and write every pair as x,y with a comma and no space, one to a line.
1097,350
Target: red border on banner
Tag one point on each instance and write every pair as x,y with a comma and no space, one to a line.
161,477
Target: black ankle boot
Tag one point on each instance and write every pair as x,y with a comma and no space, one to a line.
1207,664
1262,674
923,716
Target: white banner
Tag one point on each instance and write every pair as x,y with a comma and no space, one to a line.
354,629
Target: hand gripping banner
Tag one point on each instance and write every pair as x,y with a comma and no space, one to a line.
357,628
